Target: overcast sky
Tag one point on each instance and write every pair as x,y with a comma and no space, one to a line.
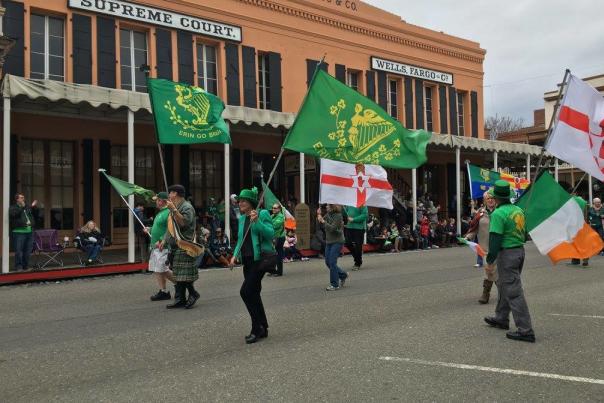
529,43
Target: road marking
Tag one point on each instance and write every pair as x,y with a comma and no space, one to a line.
498,370
577,316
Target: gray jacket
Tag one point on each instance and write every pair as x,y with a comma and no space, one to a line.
334,228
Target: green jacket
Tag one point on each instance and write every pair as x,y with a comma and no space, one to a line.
279,224
262,233
358,215
595,217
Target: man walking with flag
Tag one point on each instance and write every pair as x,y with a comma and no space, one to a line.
181,225
506,246
354,232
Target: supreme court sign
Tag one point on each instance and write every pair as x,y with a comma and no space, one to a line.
138,12
412,71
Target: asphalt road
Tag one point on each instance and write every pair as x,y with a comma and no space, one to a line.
103,340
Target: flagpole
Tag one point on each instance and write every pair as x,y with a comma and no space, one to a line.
539,168
578,183
103,171
145,69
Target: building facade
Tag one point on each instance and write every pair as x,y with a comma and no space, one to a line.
257,55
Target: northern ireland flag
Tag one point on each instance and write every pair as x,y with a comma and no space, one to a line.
354,185
579,129
556,222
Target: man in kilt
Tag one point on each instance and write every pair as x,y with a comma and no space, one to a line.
183,265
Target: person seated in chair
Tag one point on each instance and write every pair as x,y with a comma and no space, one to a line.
91,241
221,248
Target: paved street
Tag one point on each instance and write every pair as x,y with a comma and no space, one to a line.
401,330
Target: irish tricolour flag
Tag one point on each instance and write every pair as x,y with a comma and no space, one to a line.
474,246
556,223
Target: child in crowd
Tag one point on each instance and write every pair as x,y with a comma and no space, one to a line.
424,231
289,246
395,237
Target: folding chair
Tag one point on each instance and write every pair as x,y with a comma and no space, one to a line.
82,252
47,249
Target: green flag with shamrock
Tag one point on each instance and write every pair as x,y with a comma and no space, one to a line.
338,123
185,114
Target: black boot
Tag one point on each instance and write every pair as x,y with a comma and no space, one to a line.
180,297
193,296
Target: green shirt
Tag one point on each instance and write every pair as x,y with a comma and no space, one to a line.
27,229
358,215
160,225
508,221
279,224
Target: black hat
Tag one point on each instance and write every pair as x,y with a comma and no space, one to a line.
180,189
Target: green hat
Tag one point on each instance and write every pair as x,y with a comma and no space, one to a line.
501,190
250,195
161,196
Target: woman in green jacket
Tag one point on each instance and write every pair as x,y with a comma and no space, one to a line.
249,251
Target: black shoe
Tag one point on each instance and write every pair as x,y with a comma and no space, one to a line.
178,304
491,321
161,296
263,333
251,338
277,274
519,336
192,300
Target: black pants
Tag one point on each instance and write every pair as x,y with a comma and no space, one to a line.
250,294
280,254
354,243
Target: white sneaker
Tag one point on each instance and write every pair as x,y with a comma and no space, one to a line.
304,259
332,288
476,265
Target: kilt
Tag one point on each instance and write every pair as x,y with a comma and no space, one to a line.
183,266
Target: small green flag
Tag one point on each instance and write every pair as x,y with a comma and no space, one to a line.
338,123
185,114
126,188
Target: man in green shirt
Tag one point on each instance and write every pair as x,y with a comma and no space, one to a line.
354,232
159,255
507,235
21,220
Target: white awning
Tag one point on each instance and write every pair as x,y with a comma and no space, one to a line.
57,91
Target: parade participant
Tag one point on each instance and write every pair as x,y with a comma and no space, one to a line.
354,232
158,258
479,232
139,230
259,240
184,270
334,233
22,222
279,239
507,235
596,218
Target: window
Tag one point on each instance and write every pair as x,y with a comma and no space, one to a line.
133,53
460,114
61,184
428,108
352,79
264,82
393,98
32,174
206,176
47,48
144,175
46,169
206,68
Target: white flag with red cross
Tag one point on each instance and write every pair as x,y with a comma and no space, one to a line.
354,185
578,135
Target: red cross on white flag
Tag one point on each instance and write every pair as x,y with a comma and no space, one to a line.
354,185
579,132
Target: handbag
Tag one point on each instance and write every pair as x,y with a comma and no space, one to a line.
268,262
